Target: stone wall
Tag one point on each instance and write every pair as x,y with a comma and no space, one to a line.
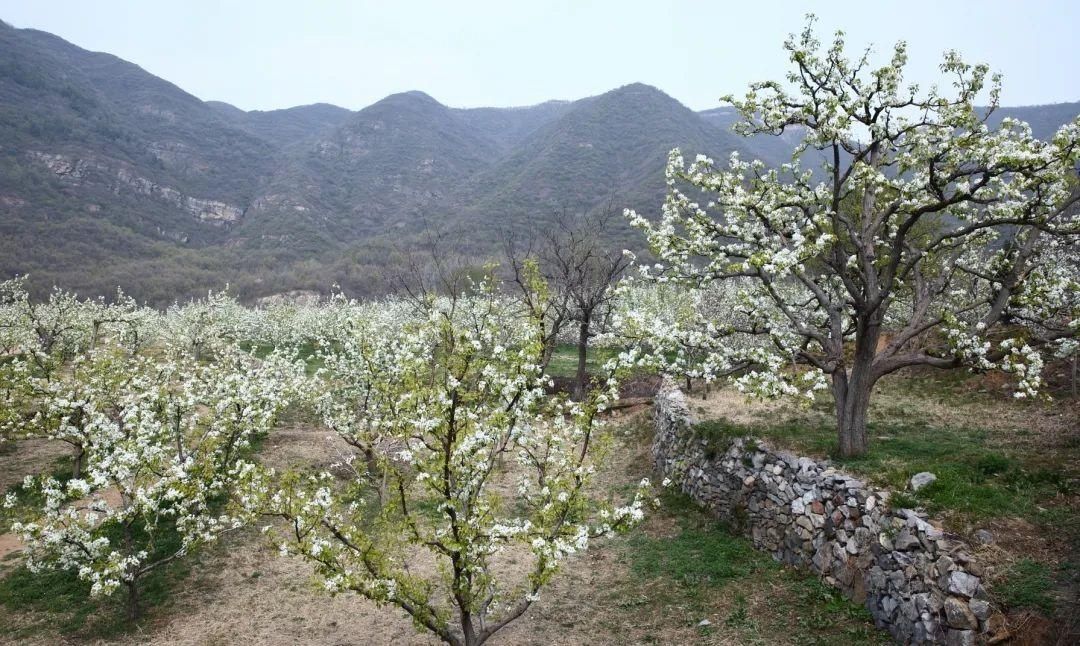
918,582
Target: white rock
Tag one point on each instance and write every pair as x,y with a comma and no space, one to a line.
920,480
963,583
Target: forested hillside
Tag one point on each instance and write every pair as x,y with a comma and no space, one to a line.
111,176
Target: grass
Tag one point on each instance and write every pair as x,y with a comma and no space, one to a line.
1027,584
29,501
701,557
58,601
684,567
704,570
565,357
306,352
563,360
974,479
992,463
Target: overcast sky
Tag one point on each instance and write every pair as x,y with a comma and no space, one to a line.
274,54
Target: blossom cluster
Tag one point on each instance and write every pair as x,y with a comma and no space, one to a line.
924,236
460,453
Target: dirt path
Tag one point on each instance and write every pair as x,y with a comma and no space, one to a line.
249,594
242,591
9,544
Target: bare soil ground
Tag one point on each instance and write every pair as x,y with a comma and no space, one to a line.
20,458
17,460
242,591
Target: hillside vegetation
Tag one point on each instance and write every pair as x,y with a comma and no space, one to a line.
111,176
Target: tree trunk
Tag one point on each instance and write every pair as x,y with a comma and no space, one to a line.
469,631
852,392
77,461
133,584
133,600
549,350
582,356
1074,374
852,402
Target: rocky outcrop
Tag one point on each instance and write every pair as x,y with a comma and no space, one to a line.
918,582
212,211
302,297
122,180
68,167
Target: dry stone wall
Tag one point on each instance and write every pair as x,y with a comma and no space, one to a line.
919,583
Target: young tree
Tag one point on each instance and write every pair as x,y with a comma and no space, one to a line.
48,333
566,277
50,359
449,408
933,240
167,440
204,326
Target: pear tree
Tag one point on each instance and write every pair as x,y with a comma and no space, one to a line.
476,463
927,237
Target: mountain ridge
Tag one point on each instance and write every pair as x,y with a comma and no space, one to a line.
112,176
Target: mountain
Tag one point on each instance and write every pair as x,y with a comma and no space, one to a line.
1043,119
508,127
103,164
607,149
285,127
387,166
111,176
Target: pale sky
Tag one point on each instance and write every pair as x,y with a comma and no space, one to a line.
276,54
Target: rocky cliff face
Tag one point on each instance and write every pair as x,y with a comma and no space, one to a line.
82,170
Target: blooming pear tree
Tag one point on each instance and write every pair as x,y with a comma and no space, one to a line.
168,442
47,346
932,238
204,326
449,410
70,405
47,333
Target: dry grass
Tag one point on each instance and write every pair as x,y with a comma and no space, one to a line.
20,458
242,591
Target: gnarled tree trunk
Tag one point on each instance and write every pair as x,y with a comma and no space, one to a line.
852,392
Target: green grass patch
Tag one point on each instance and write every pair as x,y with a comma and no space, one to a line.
698,559
974,478
705,563
306,352
822,614
1027,584
564,360
29,501
58,600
